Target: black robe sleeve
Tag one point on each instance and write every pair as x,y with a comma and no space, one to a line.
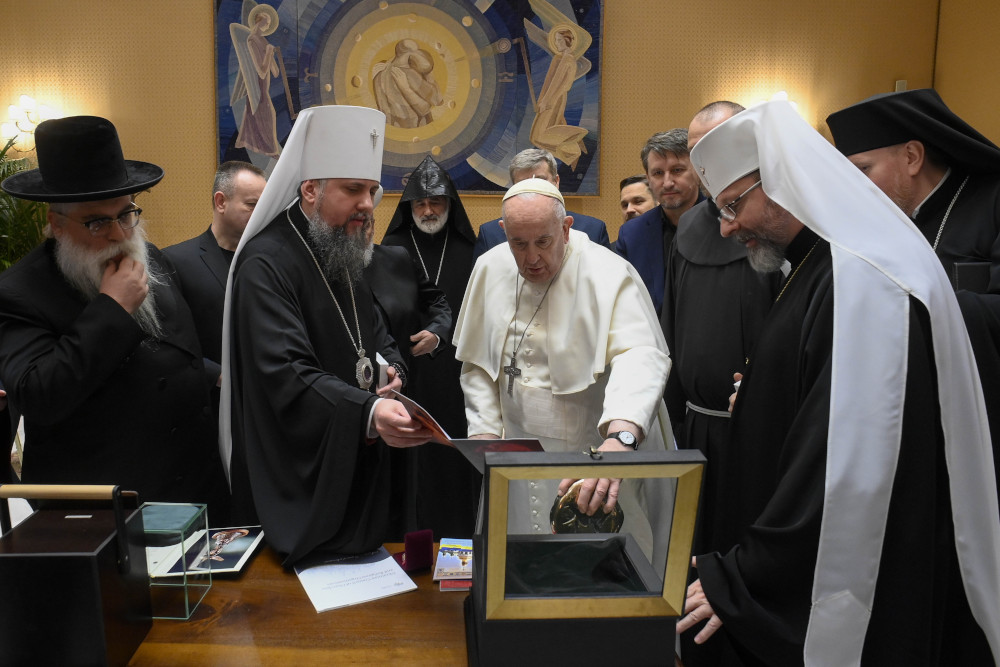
762,588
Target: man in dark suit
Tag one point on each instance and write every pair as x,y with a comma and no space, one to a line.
101,355
645,240
537,163
202,263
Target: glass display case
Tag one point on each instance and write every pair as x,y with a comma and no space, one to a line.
544,596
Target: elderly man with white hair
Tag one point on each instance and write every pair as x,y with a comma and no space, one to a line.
863,477
301,330
560,342
100,353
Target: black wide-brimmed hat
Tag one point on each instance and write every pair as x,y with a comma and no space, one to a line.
80,159
895,118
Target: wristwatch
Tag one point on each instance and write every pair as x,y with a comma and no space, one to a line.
626,438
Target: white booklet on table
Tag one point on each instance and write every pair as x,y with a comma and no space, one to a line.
341,581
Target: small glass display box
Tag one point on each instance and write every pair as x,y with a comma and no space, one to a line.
176,536
566,588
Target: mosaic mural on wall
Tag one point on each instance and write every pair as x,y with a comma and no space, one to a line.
470,83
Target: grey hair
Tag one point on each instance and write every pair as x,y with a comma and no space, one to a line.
672,141
529,158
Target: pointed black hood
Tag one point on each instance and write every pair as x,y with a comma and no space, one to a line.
429,179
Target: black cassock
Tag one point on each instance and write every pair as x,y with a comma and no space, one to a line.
972,234
447,484
714,304
713,307
299,417
761,585
410,303
972,230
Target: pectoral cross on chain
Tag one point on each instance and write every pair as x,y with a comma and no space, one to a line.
511,372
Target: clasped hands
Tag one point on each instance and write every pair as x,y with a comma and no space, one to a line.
424,342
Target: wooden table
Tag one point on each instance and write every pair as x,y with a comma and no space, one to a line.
265,618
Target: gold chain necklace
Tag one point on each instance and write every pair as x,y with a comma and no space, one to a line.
796,271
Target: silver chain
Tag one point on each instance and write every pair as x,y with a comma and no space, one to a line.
421,257
357,346
948,212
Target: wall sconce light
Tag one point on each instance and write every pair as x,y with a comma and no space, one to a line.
23,118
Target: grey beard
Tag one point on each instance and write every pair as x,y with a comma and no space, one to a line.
369,252
336,251
84,270
432,224
766,257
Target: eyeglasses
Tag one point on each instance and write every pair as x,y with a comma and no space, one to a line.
728,212
102,226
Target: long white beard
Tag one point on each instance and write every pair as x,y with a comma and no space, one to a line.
431,224
84,268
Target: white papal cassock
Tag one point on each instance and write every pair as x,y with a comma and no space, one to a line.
593,352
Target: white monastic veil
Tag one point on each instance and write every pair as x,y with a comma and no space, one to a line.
880,259
325,142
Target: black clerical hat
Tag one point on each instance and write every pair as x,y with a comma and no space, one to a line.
430,179
80,159
895,118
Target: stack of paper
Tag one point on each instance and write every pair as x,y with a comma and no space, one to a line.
342,581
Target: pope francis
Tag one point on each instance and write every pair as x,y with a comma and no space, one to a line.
559,342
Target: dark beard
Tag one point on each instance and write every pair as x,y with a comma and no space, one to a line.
341,256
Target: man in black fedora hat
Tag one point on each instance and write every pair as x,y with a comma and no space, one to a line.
98,349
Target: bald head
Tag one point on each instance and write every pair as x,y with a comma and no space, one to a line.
708,117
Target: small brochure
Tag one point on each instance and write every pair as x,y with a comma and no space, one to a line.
474,450
337,582
454,559
228,550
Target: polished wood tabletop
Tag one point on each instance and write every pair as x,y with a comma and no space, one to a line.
264,617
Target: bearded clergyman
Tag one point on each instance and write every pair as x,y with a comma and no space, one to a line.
310,424
100,352
431,223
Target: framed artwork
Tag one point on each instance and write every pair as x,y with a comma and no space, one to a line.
470,83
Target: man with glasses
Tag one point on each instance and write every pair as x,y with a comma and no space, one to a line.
861,489
98,349
713,305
